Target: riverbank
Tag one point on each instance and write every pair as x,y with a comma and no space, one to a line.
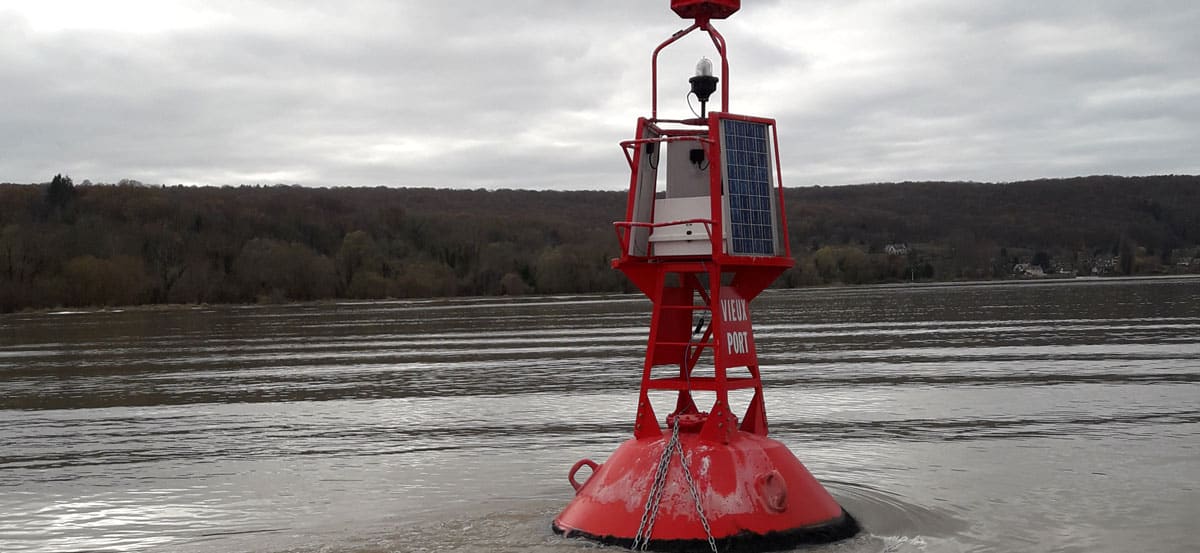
591,296
132,245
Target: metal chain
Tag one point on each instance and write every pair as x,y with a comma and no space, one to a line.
650,513
683,460
687,475
654,498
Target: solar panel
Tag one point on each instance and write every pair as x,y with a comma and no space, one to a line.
747,170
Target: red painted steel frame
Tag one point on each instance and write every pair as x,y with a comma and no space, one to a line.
718,41
699,276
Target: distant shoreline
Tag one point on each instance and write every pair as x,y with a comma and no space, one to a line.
67,245
588,295
1028,281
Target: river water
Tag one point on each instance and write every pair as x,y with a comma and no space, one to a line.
1059,416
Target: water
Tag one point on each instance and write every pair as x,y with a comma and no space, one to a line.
1034,417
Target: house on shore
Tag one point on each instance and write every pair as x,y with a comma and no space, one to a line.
1028,270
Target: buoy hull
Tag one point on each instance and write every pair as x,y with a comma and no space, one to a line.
755,493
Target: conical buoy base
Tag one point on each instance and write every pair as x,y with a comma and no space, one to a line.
755,493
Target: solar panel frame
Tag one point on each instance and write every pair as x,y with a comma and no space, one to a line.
748,181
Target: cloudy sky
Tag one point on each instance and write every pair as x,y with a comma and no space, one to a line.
536,93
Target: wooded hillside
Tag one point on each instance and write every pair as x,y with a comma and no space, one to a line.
68,245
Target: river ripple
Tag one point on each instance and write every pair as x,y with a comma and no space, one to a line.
1012,417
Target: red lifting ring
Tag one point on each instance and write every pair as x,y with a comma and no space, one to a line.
575,468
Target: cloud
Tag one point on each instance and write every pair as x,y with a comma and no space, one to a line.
536,94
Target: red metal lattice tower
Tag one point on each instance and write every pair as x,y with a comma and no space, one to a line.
702,243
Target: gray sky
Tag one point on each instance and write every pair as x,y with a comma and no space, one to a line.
536,93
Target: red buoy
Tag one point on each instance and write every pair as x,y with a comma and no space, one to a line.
702,243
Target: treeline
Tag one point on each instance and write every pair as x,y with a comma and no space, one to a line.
954,230
63,244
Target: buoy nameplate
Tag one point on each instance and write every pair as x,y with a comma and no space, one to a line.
737,334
